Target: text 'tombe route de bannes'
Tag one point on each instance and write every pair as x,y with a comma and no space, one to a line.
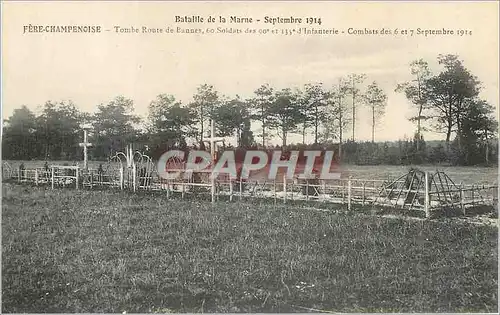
230,25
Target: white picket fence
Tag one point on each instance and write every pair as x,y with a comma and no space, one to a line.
347,191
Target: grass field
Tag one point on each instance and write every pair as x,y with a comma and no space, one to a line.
105,251
465,174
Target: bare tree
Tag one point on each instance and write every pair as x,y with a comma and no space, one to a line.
261,104
354,80
376,99
284,114
339,108
415,92
205,101
315,100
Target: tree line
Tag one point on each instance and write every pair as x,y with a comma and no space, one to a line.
445,102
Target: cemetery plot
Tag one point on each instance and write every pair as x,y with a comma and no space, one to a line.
417,190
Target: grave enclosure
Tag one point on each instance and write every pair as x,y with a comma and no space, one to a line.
133,171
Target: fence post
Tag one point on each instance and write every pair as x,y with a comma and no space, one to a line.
36,176
230,189
462,198
121,178
52,176
472,196
349,184
307,189
284,188
364,193
274,189
168,187
77,176
495,195
217,188
241,188
343,191
134,179
183,191
324,190
212,175
426,195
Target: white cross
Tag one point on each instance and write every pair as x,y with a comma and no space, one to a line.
130,156
85,144
213,140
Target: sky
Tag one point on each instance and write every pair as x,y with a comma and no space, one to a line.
92,69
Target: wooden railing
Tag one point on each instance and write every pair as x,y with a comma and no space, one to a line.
346,191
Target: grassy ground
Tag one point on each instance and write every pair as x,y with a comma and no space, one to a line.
95,251
465,174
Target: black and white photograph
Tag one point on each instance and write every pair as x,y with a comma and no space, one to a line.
249,156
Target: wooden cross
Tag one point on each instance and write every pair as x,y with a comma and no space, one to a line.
130,156
213,140
85,144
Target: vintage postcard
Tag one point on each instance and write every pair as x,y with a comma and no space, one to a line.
249,156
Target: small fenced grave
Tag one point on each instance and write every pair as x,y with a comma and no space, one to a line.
415,191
